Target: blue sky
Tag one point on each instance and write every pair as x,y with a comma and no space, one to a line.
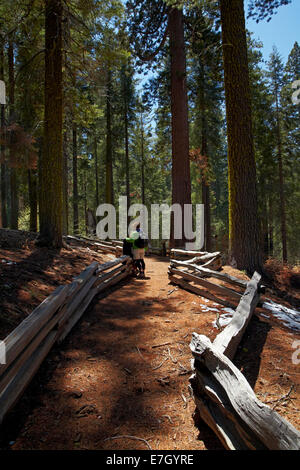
282,31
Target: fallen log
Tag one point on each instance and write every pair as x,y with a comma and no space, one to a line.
270,428
228,340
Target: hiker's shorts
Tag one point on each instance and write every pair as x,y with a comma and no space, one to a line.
138,253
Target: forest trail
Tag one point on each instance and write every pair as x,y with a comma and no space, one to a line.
124,371
111,378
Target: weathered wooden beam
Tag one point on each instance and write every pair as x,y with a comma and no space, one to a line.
110,264
228,340
15,366
21,336
74,317
16,387
199,291
204,258
186,253
268,426
222,427
206,387
236,296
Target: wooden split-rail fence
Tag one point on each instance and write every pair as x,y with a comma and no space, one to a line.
224,399
29,343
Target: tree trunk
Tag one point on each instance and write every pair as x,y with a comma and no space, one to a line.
244,239
33,199
181,181
96,172
12,159
142,161
205,183
51,194
75,183
65,184
2,150
281,183
126,149
271,242
109,171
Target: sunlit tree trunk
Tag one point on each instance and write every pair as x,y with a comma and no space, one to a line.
33,199
2,152
12,158
96,173
51,187
181,181
244,236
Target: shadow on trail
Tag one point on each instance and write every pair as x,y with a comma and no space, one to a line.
247,359
122,387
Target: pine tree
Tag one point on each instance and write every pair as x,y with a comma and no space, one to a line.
244,237
51,193
276,80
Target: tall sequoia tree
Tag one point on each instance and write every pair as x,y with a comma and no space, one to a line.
2,149
276,80
181,180
109,193
162,22
51,190
12,157
244,238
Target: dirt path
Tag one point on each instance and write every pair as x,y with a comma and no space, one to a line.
107,379
115,375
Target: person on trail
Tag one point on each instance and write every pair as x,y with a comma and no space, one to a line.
140,245
128,251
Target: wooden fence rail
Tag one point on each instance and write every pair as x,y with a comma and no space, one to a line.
28,344
224,398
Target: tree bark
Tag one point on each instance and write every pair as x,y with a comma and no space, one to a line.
65,184
12,159
109,171
181,181
244,239
33,199
4,218
75,183
51,194
142,161
281,182
126,148
96,173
